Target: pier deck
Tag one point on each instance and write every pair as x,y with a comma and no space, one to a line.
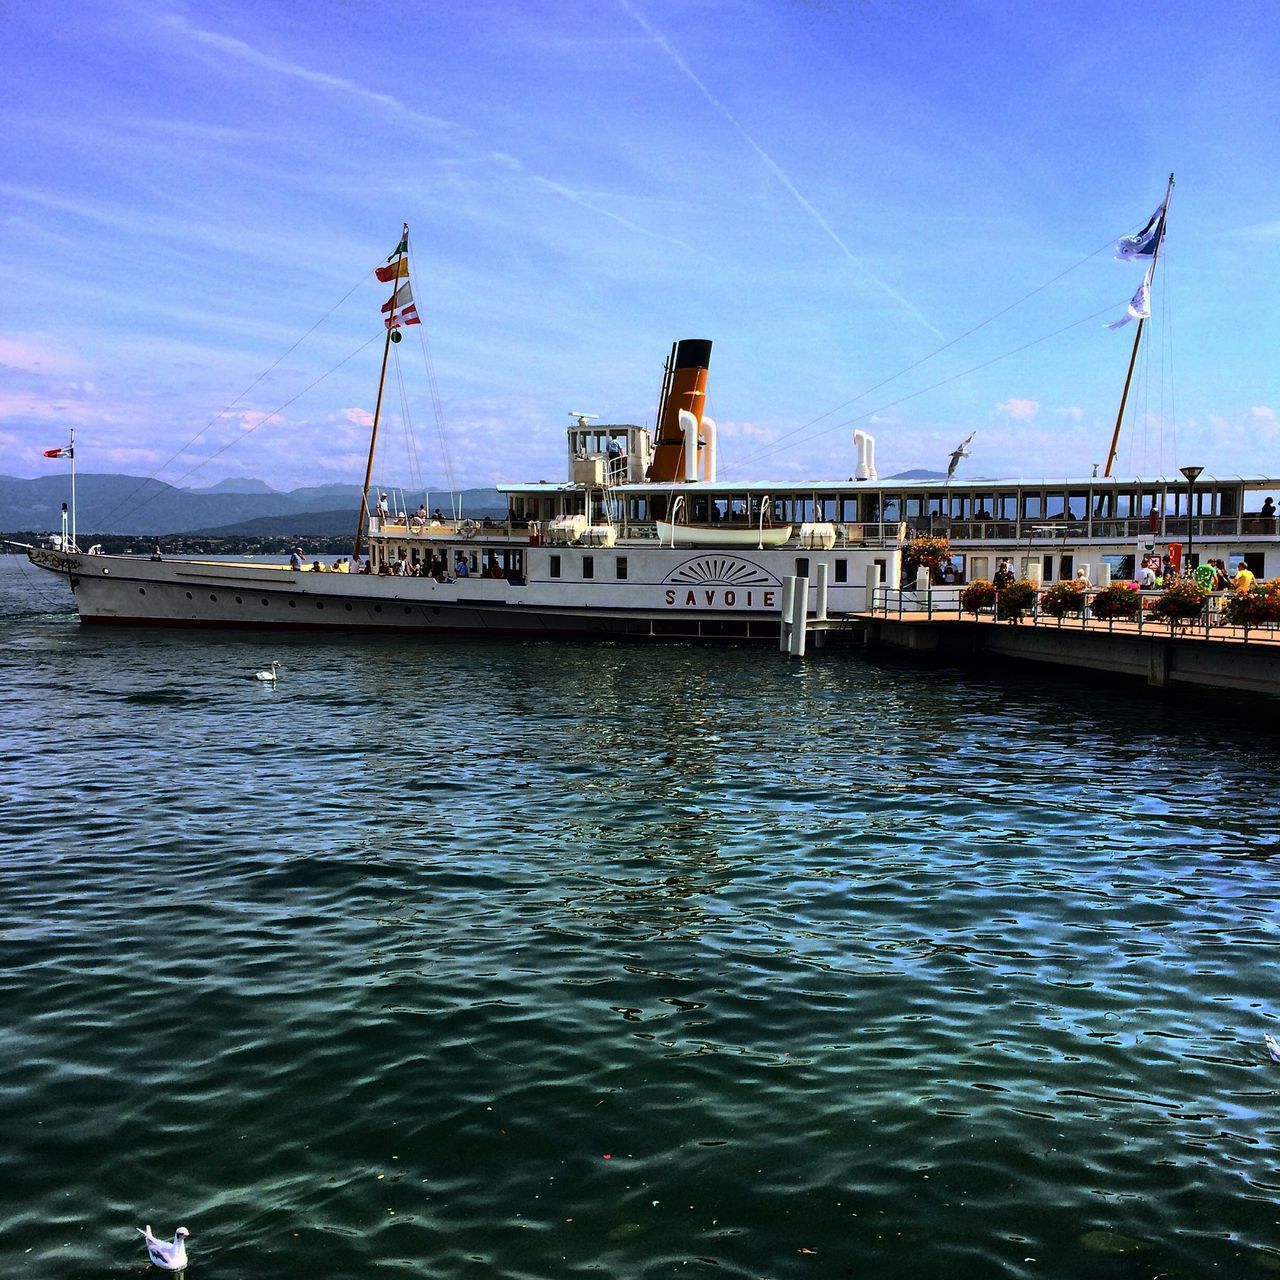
1197,653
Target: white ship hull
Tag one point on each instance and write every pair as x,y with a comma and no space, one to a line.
667,594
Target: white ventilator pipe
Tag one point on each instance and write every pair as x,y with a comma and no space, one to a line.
689,425
708,449
865,447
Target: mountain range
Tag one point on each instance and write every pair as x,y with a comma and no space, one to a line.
110,504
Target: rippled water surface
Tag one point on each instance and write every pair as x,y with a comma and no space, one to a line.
544,960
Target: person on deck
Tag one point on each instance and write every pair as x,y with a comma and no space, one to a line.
1244,578
296,560
460,569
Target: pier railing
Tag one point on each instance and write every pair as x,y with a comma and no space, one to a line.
937,604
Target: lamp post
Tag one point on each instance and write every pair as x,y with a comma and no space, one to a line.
1192,474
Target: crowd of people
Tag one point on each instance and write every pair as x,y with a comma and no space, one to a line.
1158,573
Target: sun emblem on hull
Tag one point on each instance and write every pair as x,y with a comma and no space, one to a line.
729,571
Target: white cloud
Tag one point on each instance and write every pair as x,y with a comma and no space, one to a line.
1072,411
1019,409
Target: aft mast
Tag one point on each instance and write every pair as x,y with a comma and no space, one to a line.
1142,320
400,310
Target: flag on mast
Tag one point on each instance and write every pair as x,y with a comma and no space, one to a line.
1139,305
1142,244
402,308
396,271
67,452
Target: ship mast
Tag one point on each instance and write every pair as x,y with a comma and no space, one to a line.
390,308
1137,337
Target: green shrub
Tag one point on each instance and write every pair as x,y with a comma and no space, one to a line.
1063,598
1181,602
1256,607
979,594
1120,600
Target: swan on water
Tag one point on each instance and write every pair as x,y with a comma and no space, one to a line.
172,1257
269,676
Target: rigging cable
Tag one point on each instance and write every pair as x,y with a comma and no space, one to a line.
437,407
274,413
1026,346
937,351
410,441
128,498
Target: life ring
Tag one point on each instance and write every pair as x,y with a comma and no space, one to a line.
468,528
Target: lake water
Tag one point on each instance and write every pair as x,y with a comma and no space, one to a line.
544,960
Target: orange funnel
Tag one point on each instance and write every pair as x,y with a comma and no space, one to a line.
685,389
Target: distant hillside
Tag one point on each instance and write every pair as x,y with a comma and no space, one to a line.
236,485
118,504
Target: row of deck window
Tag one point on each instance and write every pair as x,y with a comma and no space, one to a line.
1019,503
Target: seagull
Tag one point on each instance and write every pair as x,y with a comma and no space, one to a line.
268,676
172,1257
1272,1048
957,453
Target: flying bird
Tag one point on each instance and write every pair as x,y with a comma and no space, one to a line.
960,451
170,1257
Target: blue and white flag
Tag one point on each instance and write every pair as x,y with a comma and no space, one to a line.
1139,305
1142,244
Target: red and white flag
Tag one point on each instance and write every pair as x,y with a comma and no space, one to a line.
68,452
402,307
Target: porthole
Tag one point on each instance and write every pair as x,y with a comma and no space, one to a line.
264,602
142,591
293,604
188,595
213,597
238,600
348,608
377,608
407,609
319,605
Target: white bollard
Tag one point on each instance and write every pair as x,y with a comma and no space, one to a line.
820,608
924,579
784,631
1104,575
799,616
873,585
1035,571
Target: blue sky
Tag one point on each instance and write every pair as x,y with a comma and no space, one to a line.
831,191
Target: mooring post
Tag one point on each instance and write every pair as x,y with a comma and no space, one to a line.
784,630
799,616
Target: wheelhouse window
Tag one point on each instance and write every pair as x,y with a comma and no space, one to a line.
842,570
620,568
588,566
554,567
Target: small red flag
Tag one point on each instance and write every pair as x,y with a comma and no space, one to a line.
59,453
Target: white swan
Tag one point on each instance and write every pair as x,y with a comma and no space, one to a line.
172,1257
268,676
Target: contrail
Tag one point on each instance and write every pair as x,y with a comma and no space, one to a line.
776,170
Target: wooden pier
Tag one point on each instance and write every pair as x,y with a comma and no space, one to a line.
1195,654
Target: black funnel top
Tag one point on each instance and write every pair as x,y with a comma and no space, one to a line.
693,353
